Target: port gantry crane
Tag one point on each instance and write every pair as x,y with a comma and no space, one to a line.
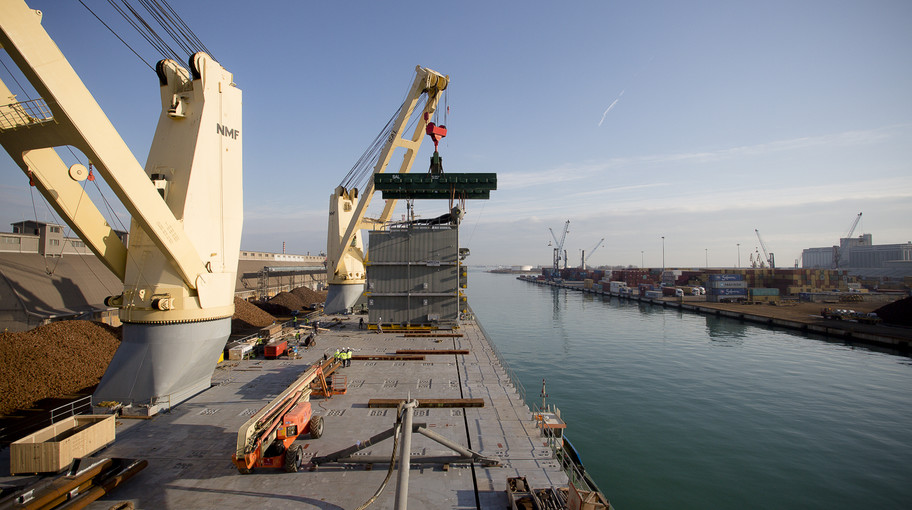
180,264
558,247
770,258
839,252
345,272
585,258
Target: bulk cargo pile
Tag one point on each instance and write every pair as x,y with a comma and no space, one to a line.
285,304
53,360
248,317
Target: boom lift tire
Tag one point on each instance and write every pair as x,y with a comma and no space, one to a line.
294,457
316,427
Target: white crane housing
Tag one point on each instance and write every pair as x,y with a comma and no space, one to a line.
180,267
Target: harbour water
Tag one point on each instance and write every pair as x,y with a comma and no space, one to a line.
685,411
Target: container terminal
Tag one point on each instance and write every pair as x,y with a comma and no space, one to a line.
820,301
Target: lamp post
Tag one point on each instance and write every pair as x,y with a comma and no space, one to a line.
642,263
707,257
663,254
739,255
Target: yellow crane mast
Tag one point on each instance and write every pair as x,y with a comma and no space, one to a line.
345,255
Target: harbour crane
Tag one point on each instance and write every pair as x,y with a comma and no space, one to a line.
558,247
839,252
584,259
179,265
770,257
345,272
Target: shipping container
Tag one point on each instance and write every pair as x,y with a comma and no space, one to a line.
725,277
275,348
763,292
727,292
653,294
727,284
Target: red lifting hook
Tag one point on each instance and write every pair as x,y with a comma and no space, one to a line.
434,131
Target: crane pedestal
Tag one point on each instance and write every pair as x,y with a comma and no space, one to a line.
161,365
342,296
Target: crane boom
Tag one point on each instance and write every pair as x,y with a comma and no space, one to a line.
770,258
597,246
854,226
345,255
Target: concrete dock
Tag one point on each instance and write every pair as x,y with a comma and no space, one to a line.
189,448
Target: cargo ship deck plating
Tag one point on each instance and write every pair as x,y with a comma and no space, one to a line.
189,448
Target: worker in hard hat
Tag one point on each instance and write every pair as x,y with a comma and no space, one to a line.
348,356
338,356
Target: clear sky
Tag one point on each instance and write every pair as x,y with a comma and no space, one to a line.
697,121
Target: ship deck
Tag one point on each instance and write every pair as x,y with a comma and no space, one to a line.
189,448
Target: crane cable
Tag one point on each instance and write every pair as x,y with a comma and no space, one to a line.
176,37
362,171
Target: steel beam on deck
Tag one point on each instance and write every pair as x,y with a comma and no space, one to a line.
428,402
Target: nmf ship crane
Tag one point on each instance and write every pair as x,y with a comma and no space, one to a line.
345,255
180,266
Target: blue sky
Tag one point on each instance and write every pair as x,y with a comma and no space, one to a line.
697,121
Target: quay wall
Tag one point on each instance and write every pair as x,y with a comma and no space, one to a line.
834,329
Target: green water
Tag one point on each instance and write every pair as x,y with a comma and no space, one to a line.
678,410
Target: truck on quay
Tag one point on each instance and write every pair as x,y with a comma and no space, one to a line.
672,291
617,287
850,315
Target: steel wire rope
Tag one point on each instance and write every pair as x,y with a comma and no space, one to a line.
163,47
53,215
192,35
177,26
13,76
137,28
368,159
104,199
160,18
389,471
116,35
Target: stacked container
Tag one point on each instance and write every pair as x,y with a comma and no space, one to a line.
726,287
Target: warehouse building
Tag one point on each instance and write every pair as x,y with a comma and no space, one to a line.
863,259
46,276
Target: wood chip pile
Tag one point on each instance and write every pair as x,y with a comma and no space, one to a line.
309,297
53,360
249,317
284,304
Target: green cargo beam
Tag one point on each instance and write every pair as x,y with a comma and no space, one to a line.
439,186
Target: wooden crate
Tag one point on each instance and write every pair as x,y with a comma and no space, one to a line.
53,448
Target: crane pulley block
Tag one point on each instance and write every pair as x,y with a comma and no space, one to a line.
436,133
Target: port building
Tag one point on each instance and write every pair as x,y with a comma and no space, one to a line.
863,259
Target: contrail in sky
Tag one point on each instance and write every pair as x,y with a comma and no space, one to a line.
610,107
